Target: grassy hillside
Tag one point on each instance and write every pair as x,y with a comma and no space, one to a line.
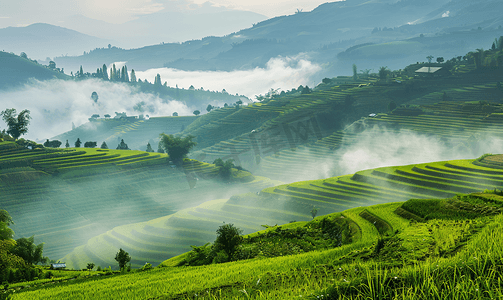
17,71
419,249
174,234
65,197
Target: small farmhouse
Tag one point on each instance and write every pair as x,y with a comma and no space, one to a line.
431,72
58,266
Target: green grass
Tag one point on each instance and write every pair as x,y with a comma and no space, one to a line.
439,258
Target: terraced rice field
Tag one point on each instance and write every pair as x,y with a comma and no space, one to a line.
174,234
389,184
156,240
464,125
65,197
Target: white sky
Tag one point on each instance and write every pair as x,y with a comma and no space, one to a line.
25,12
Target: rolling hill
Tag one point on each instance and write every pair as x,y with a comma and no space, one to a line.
173,235
17,71
428,249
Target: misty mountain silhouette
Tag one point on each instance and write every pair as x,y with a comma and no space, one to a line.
322,33
41,40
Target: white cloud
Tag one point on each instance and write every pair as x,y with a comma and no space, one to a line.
282,72
446,14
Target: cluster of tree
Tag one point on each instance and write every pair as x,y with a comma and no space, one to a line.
88,144
122,146
18,257
492,58
122,258
225,170
52,144
378,29
177,147
158,87
273,93
322,233
223,249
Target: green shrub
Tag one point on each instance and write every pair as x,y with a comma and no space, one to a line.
199,256
48,275
221,257
90,144
146,267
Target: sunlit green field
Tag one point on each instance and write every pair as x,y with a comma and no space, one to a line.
444,257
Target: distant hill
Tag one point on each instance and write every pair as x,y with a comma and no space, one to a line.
17,70
166,26
42,40
322,33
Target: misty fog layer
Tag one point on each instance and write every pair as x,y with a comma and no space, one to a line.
281,72
55,104
381,147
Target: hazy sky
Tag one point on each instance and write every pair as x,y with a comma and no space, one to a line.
25,12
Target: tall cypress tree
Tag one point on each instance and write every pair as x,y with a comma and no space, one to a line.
113,76
126,76
157,81
105,72
123,74
133,76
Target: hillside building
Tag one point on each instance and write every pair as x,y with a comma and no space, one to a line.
431,72
58,266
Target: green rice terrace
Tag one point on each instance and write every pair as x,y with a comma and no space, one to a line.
418,249
173,234
467,127
271,138
65,197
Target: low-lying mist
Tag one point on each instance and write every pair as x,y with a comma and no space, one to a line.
55,104
280,72
380,147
